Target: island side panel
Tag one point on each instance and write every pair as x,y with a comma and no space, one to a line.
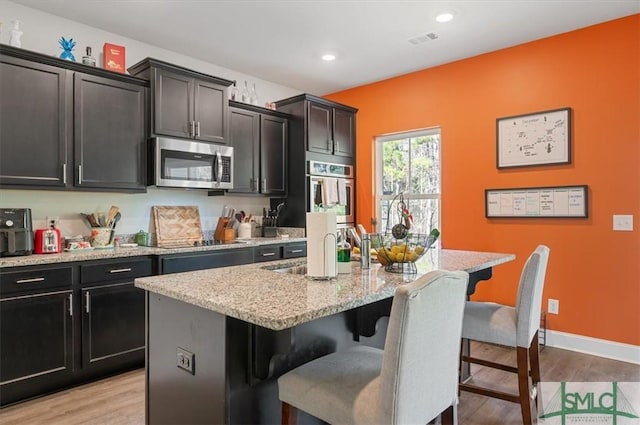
175,395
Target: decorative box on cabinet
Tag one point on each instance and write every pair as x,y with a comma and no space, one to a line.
50,106
259,138
185,103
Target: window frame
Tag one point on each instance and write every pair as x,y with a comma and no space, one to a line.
379,196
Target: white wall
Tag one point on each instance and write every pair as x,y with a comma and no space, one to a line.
41,34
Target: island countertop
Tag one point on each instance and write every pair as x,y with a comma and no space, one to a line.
258,294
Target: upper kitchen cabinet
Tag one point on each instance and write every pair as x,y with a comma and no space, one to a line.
327,128
109,133
185,103
66,125
259,138
35,113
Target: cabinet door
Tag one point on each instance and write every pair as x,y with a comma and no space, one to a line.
273,155
35,105
210,112
244,136
109,134
343,132
173,104
112,323
319,128
36,349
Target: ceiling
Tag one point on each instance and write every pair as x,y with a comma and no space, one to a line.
282,40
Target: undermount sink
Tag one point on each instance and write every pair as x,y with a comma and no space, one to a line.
296,268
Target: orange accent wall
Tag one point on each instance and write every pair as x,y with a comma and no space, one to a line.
593,271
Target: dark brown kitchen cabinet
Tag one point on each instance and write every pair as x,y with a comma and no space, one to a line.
328,127
109,134
66,125
113,323
36,331
259,138
185,103
35,113
112,311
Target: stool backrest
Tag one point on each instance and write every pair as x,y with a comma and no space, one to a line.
528,303
419,377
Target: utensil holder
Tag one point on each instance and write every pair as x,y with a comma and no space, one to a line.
222,233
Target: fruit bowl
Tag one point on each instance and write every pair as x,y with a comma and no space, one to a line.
400,255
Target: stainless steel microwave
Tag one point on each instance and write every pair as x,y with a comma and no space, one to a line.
191,164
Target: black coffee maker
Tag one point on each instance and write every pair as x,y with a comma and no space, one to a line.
16,232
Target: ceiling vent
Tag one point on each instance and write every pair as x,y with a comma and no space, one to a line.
423,38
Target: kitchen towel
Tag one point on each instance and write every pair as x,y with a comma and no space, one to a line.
321,245
342,192
329,191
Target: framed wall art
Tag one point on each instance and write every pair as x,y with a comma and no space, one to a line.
539,138
537,202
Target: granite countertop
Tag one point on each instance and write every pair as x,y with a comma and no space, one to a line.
257,294
100,254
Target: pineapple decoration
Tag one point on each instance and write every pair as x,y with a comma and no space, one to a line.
67,46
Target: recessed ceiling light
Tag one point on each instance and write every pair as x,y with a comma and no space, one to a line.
444,17
328,57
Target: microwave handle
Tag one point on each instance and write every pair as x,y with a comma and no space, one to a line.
219,165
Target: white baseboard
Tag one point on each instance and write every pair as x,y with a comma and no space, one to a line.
594,346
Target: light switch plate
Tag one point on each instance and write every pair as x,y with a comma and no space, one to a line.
623,223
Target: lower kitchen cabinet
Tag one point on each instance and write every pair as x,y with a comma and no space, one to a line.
112,323
177,263
36,332
65,325
112,311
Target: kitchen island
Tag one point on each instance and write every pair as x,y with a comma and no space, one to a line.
218,339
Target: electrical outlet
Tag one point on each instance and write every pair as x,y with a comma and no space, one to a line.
186,360
623,223
553,307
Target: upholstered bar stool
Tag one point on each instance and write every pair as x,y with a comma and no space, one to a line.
515,327
411,382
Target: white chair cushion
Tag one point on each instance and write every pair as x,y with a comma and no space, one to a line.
332,387
490,322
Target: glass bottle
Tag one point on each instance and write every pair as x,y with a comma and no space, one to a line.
245,93
253,95
233,93
88,59
344,253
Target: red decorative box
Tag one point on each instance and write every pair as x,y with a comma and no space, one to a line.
113,57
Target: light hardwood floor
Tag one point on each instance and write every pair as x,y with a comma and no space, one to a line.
120,400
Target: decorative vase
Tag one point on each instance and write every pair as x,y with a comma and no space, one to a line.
67,47
16,33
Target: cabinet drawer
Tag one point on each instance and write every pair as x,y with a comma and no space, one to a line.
294,250
268,253
115,270
33,281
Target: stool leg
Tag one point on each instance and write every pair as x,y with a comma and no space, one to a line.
523,386
289,414
534,358
448,416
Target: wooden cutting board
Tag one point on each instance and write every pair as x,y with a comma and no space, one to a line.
177,225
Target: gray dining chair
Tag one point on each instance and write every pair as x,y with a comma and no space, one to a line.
515,327
412,381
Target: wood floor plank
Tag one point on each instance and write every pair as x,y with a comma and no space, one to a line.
119,400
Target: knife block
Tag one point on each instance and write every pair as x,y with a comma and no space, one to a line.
222,233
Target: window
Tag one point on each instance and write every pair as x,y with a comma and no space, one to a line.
408,163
